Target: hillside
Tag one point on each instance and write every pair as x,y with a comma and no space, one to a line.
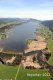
48,23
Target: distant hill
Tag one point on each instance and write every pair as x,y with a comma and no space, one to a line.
48,23
4,20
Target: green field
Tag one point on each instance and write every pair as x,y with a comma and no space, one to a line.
37,74
50,46
9,72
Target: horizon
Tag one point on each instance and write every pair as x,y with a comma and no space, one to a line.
24,18
38,9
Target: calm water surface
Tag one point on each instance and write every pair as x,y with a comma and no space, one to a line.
18,35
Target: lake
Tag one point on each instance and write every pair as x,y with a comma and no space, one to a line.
18,35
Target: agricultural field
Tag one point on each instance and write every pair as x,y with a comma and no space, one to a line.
18,73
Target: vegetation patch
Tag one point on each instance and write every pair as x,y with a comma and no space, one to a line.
29,41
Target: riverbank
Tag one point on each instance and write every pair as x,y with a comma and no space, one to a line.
36,44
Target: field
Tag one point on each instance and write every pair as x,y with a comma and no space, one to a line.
7,72
10,73
50,46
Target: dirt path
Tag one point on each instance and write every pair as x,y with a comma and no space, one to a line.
17,72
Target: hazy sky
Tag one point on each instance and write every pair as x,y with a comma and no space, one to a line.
38,9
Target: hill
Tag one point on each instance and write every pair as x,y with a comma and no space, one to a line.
48,23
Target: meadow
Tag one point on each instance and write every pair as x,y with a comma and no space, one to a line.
9,73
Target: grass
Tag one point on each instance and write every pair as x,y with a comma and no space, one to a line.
50,46
29,41
24,74
8,72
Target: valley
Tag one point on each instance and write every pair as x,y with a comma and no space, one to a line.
30,43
